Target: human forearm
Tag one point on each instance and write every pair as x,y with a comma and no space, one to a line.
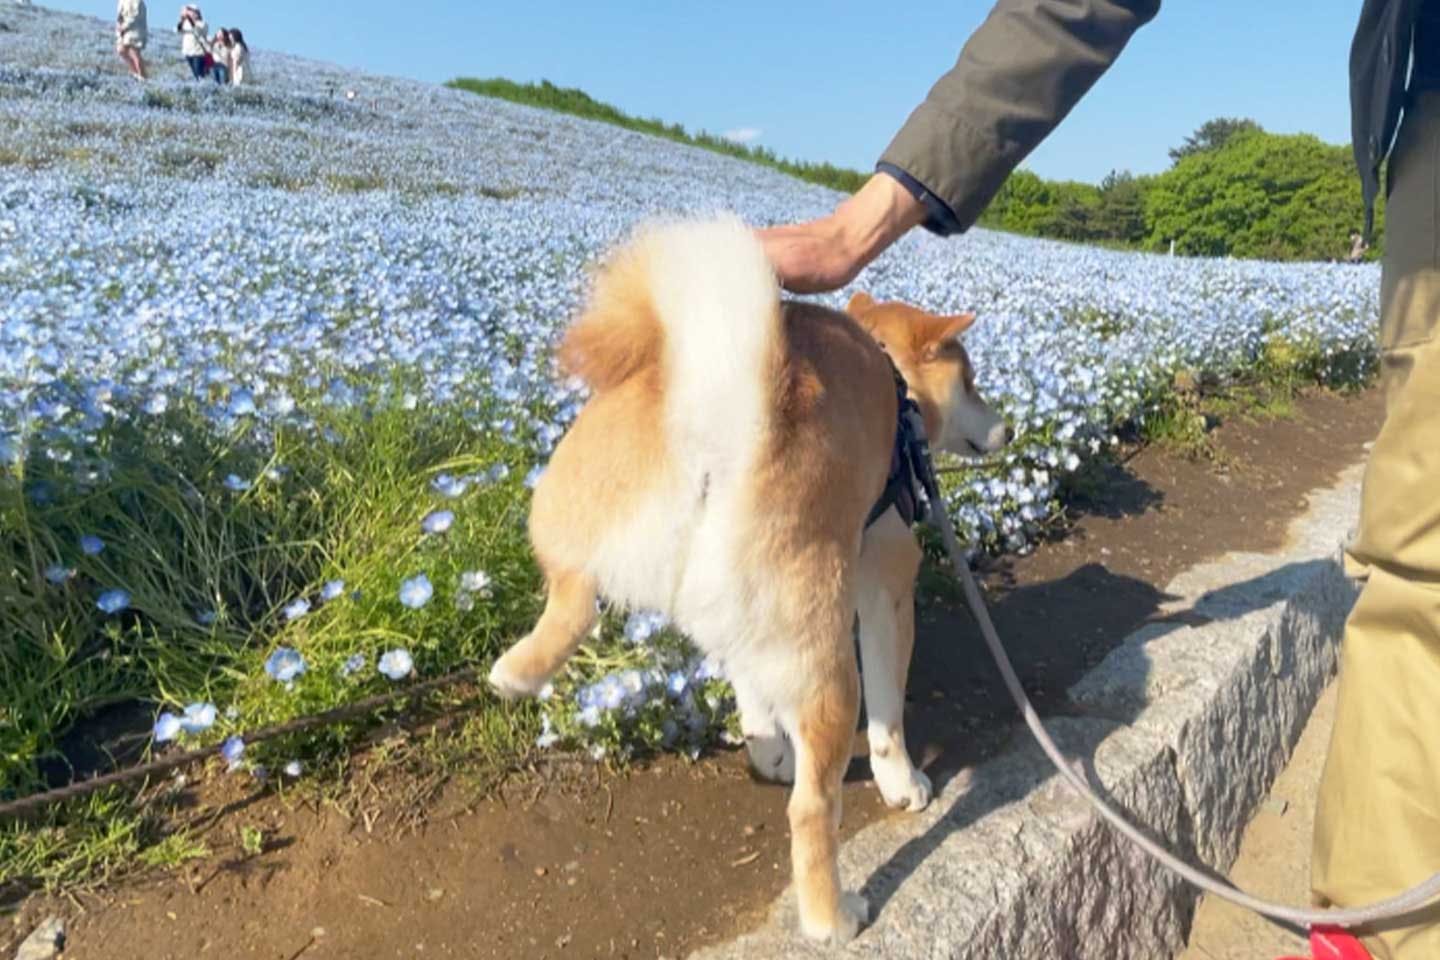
1017,77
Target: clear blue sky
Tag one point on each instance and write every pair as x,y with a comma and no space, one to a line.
832,80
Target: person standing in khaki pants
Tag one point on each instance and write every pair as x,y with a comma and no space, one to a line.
1378,820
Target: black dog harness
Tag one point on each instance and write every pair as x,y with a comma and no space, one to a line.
910,469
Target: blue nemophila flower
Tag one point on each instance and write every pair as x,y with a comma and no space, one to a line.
285,664
58,573
113,601
332,590
237,484
475,581
198,717
242,403
91,545
449,486
233,750
677,683
206,618
416,592
396,664
167,727
295,609
353,664
532,478
641,625
548,737
438,522
293,769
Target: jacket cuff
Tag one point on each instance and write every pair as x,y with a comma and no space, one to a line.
959,165
940,219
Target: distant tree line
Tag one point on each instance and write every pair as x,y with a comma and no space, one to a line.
1233,189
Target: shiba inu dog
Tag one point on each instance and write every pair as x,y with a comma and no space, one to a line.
722,472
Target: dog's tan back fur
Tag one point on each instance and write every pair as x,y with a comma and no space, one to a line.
722,472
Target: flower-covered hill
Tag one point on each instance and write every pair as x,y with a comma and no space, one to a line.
284,355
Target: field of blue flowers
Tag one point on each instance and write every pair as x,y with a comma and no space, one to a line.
275,379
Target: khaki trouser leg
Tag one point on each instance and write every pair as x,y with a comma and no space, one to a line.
1377,824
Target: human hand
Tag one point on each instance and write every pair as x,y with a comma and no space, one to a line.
827,253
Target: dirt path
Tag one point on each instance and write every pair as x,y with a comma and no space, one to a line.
674,855
1274,860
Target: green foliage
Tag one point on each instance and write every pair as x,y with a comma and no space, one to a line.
1212,135
348,507
1235,190
579,103
252,840
653,725
1121,214
1112,213
1262,195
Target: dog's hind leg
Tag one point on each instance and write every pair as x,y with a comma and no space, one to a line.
886,588
823,734
569,614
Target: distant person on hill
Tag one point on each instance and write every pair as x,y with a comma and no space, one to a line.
1377,822
131,34
1358,247
239,58
221,52
192,39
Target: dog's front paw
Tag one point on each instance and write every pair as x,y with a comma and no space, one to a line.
852,914
510,682
903,788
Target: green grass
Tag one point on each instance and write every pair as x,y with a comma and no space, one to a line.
1182,416
347,507
579,103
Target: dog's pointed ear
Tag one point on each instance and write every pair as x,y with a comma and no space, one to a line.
859,303
956,325
939,331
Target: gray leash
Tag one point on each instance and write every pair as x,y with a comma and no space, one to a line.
1403,903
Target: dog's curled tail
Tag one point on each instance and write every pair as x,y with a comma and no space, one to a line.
699,300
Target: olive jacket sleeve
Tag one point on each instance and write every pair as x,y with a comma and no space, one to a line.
1017,77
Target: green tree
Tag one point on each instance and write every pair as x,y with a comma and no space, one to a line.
1073,212
1121,216
1212,135
1022,204
1283,197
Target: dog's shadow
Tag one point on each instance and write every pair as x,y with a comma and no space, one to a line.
959,713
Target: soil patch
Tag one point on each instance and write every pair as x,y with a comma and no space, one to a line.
659,861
